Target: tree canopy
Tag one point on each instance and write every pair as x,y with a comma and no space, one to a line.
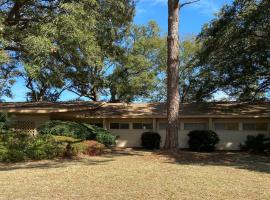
57,41
235,52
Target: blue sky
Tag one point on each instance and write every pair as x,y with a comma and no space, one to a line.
192,18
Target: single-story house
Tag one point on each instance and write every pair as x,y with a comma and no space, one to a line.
231,121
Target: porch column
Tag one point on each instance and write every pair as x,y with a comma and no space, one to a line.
210,124
154,125
104,123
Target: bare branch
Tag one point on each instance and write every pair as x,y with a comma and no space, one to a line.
187,3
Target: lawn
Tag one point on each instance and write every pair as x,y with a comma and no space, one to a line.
138,174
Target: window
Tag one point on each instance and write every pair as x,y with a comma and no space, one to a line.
195,126
142,126
163,126
227,126
255,126
119,126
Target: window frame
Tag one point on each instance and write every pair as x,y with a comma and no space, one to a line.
142,124
255,126
163,123
226,123
119,125
196,123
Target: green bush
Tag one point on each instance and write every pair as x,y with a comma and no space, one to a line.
101,135
16,147
151,140
65,128
77,130
3,122
203,140
257,144
74,147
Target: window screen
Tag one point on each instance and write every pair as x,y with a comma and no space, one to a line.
227,126
255,126
195,126
119,126
142,126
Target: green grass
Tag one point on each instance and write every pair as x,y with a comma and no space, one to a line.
140,175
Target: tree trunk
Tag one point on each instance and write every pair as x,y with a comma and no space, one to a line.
173,73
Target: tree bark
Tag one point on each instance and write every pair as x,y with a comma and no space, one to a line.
172,75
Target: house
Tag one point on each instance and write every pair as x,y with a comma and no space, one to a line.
231,121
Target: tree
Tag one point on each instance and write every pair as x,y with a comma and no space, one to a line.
194,84
8,72
235,50
134,76
172,73
64,39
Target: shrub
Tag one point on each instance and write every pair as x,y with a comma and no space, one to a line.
16,147
70,146
204,140
44,147
93,148
77,130
151,140
65,128
101,135
257,144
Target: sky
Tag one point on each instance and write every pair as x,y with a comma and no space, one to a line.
192,18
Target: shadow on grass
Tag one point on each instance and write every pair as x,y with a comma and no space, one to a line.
47,164
108,157
237,159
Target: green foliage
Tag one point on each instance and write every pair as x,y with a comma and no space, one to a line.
151,140
75,147
135,73
192,80
65,128
257,144
235,50
201,140
15,147
60,43
101,135
3,122
77,130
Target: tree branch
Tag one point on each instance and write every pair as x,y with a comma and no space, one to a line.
187,3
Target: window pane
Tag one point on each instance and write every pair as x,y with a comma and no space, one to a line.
195,126
142,126
255,126
148,126
249,127
114,126
226,126
163,126
137,126
262,127
124,126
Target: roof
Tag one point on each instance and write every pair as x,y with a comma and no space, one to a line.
48,107
141,110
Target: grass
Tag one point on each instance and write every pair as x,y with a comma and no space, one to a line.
140,175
